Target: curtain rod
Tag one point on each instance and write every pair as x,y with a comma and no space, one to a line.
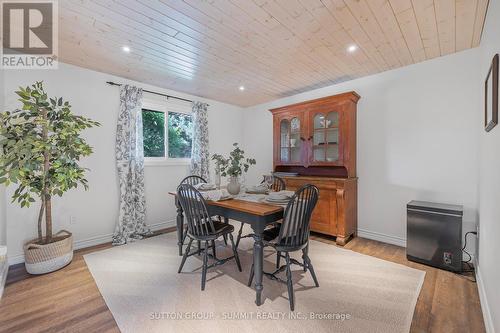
153,92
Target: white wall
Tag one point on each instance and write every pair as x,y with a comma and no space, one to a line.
96,210
489,184
416,140
3,213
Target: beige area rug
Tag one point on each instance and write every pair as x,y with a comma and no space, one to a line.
357,293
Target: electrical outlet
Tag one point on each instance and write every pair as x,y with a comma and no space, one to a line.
72,220
447,258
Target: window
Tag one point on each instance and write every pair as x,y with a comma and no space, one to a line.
153,129
167,131
180,135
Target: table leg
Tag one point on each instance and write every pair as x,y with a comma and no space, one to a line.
180,226
258,261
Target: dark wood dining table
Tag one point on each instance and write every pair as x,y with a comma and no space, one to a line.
257,215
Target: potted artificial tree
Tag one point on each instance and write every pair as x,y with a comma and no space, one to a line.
41,146
234,166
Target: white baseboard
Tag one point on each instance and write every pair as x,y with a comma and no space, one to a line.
382,237
488,320
92,241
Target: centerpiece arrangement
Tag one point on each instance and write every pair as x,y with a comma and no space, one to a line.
41,147
233,167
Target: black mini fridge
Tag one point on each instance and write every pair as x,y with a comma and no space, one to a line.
434,234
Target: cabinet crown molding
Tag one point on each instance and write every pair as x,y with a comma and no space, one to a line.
334,99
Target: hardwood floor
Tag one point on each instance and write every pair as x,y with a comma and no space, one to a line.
68,300
448,302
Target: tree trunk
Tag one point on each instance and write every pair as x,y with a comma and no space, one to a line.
40,218
48,219
46,189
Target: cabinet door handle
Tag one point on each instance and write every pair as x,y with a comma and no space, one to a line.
309,139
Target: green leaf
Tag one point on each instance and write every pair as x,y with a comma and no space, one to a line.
22,94
24,146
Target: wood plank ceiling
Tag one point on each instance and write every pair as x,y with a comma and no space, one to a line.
274,48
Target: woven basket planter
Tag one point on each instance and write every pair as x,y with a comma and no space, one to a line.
46,258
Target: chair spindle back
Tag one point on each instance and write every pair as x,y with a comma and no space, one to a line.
278,184
193,180
195,211
294,231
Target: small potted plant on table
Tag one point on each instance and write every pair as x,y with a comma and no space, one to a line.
41,146
234,166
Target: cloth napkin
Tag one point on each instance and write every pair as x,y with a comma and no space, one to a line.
251,197
281,194
215,195
257,188
204,186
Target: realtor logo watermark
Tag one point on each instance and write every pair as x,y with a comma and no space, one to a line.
29,34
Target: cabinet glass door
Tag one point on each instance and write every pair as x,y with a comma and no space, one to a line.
325,146
290,142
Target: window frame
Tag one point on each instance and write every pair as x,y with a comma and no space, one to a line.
162,106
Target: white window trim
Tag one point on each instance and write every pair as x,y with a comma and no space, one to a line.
162,161
161,106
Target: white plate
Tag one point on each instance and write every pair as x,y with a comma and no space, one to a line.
276,201
278,195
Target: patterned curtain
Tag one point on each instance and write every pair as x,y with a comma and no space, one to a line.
129,152
199,152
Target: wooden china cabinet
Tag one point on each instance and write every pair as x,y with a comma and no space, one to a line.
317,140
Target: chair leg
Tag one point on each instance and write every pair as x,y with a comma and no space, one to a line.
213,249
311,269
205,264
239,236
278,258
289,282
304,256
199,247
186,253
235,252
226,221
250,279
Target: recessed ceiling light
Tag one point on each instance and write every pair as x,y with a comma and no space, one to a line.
352,48
241,88
126,49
